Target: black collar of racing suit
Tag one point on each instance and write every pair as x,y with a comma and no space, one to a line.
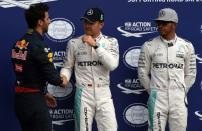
35,33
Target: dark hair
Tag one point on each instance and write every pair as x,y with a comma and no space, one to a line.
34,13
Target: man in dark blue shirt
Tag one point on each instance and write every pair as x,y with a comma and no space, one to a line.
33,65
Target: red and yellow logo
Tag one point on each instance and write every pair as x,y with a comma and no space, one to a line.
22,44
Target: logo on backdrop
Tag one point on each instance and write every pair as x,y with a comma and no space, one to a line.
131,86
199,115
137,28
131,57
136,115
61,93
201,29
58,58
199,58
60,30
61,115
22,3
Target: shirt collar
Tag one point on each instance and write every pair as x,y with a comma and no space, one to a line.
99,37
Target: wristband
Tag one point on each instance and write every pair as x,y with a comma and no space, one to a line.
95,47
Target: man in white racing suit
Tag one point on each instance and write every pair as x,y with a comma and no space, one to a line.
167,69
92,56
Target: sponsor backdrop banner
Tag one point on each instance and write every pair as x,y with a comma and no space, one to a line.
130,21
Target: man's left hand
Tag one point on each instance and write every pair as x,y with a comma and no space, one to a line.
50,100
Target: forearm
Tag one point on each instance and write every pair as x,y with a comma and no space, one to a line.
190,68
66,72
189,81
108,60
144,80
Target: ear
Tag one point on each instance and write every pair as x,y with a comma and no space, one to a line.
174,26
40,22
101,25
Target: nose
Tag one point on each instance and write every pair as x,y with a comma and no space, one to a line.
49,21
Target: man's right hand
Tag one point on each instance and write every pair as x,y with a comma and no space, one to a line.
65,81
